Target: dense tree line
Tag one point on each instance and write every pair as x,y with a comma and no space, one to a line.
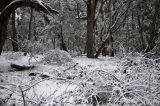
84,26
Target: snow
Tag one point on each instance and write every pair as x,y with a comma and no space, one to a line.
71,83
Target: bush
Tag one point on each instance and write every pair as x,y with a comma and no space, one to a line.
56,57
34,47
12,55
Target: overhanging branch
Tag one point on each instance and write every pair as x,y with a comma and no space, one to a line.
7,11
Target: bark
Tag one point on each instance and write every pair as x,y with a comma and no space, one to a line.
6,11
22,67
3,27
62,45
35,36
14,33
108,43
30,24
90,27
153,35
3,4
101,47
3,24
46,19
141,30
35,32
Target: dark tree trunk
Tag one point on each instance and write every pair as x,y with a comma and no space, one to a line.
108,42
90,28
153,28
62,44
30,24
35,32
14,33
3,4
3,28
3,23
140,24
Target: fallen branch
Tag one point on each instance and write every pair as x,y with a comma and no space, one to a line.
24,103
22,67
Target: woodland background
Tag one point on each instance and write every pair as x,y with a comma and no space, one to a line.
84,25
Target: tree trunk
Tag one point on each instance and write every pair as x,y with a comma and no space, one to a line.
100,49
3,28
54,42
3,24
30,25
35,31
14,33
153,28
62,44
109,39
90,28
140,24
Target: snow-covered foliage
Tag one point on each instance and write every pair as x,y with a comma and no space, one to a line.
129,81
56,57
139,77
35,47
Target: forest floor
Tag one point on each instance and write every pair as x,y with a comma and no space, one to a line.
131,80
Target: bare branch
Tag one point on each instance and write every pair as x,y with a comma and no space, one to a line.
39,6
24,103
85,1
119,16
5,14
99,8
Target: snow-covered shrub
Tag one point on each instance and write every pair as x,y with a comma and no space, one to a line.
140,76
120,50
35,47
12,55
57,57
133,84
4,65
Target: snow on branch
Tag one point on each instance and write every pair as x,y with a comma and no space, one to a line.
37,4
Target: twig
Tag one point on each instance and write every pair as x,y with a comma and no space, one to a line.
24,103
149,82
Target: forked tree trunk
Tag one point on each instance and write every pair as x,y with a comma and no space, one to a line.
109,39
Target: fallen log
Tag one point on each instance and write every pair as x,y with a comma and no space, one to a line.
22,67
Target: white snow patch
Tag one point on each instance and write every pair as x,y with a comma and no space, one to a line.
53,84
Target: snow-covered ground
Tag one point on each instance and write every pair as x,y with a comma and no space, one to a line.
129,81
